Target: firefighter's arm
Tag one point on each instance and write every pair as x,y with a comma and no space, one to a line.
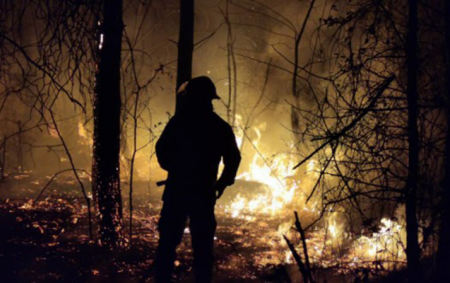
165,148
231,160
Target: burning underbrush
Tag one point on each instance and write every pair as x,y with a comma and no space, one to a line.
265,198
265,219
253,216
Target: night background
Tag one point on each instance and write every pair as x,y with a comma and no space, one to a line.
341,111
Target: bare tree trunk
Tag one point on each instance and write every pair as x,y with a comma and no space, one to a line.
185,44
412,62
443,255
107,105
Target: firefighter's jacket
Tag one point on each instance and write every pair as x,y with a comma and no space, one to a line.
190,150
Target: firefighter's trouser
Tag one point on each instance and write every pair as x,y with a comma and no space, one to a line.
171,226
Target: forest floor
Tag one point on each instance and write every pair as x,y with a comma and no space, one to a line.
48,241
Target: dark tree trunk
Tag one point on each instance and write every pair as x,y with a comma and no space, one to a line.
443,255
412,62
107,104
185,43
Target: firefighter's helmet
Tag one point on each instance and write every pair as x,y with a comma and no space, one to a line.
199,88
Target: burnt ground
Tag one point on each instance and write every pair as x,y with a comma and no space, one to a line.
44,244
48,241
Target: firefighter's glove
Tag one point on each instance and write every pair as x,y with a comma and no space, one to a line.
220,188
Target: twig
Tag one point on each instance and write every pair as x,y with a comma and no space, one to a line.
52,179
379,91
69,155
32,62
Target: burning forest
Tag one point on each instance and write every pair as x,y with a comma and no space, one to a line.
330,120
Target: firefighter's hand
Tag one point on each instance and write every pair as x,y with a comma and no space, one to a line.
220,188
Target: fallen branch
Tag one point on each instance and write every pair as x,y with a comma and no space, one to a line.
298,259
52,179
305,248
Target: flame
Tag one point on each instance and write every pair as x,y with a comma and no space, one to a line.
281,192
276,178
85,137
312,166
239,133
387,245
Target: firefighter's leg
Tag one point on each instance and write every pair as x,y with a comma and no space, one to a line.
203,226
171,226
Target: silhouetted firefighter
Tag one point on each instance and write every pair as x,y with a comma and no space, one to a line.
190,149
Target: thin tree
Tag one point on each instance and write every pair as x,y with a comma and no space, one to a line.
185,43
412,65
295,115
231,69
